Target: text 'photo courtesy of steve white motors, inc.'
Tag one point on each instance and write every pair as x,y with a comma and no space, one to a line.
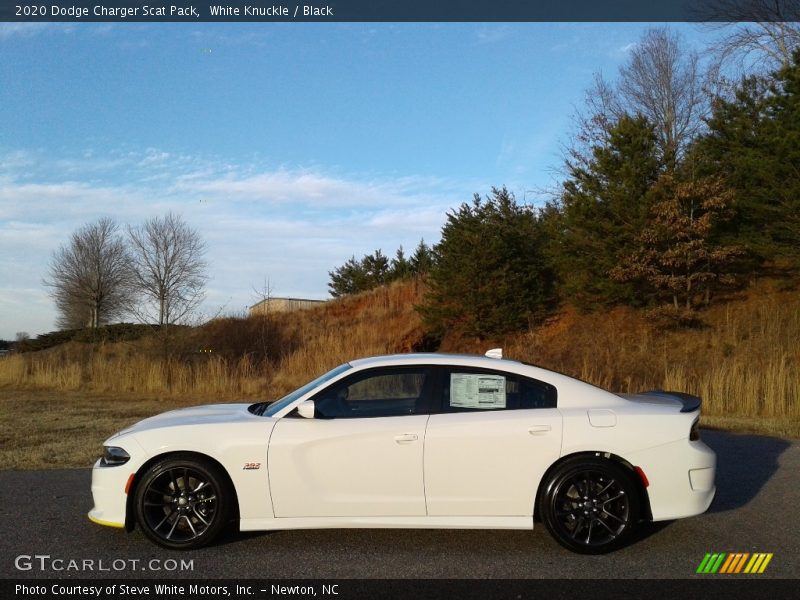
168,591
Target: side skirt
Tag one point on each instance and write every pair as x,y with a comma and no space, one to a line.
422,522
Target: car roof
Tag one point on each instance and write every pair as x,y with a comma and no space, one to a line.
579,388
435,358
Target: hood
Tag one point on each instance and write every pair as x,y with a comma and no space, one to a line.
196,415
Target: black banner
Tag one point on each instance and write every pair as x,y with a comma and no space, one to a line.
712,588
396,10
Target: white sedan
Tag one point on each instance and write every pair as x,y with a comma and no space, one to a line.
416,441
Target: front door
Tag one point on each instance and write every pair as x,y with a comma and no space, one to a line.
361,455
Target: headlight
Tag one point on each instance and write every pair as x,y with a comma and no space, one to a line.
113,456
694,432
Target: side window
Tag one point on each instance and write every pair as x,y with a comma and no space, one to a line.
470,390
377,393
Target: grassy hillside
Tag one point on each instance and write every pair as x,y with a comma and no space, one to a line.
744,360
233,357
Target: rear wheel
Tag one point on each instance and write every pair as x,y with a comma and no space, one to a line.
183,502
590,505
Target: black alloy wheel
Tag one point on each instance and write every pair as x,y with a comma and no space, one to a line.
590,506
182,502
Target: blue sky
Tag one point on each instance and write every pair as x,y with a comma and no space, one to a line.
290,147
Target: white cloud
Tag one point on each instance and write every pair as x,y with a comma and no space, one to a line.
27,30
310,188
10,30
493,34
291,225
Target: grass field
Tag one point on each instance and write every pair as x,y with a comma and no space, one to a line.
42,429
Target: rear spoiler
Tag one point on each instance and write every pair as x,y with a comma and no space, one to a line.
690,403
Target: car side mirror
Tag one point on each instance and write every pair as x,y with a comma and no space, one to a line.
306,409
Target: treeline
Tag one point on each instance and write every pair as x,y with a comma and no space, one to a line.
117,332
372,270
674,189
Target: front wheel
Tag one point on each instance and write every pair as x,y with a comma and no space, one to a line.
590,505
182,502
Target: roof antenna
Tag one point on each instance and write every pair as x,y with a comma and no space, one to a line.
494,353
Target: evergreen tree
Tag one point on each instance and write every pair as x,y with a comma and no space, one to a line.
350,278
677,253
369,272
735,149
754,144
376,269
423,258
490,276
603,207
400,267
784,132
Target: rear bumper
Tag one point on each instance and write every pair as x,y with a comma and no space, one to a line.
681,476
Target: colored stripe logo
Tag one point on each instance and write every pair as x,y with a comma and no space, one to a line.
734,562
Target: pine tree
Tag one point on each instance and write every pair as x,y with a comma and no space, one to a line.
602,209
490,276
754,144
376,269
677,253
350,278
423,259
400,267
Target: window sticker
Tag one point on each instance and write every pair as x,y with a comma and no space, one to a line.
469,390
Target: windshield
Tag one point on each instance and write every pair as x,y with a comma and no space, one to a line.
292,396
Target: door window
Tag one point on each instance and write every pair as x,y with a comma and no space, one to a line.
377,393
466,390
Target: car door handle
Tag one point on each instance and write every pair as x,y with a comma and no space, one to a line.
405,438
538,429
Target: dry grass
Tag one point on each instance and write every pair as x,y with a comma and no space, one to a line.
55,430
775,427
745,360
58,405
377,322
382,321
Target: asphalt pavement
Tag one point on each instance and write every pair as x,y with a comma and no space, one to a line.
43,514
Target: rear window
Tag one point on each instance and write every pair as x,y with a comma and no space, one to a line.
468,390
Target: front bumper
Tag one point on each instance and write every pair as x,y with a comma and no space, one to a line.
108,493
681,476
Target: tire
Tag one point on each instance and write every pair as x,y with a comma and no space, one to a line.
590,505
183,502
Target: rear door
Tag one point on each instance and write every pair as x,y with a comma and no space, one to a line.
494,436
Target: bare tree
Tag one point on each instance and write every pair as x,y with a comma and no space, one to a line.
168,268
761,34
90,276
662,82
263,314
